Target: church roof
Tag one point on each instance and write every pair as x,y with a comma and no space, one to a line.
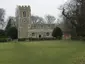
44,26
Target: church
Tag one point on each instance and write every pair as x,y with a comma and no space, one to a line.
26,29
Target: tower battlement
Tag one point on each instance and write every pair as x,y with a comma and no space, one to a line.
24,7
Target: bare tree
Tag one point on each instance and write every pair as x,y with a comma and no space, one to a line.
74,12
50,19
2,14
37,20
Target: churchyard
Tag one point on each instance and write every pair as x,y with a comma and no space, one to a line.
43,52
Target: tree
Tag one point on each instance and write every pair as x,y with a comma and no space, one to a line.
73,11
50,19
57,33
12,33
2,33
8,24
37,20
2,14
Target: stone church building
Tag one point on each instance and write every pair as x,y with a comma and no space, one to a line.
26,29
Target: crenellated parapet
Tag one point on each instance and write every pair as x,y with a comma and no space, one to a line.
24,7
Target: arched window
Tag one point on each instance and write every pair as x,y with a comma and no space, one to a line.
33,34
47,33
24,13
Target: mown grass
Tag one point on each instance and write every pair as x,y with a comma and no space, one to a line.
43,52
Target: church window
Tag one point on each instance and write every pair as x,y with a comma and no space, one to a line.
47,33
33,34
24,14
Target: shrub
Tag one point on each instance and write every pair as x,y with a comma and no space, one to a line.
3,39
57,33
12,32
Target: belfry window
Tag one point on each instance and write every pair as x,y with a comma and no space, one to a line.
24,14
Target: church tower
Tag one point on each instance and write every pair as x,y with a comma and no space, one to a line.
23,14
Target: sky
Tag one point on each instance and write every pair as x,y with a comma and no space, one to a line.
38,7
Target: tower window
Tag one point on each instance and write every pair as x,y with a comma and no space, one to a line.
24,14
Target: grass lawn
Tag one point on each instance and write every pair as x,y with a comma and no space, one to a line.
43,52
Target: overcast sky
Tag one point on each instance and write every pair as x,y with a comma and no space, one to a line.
38,7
